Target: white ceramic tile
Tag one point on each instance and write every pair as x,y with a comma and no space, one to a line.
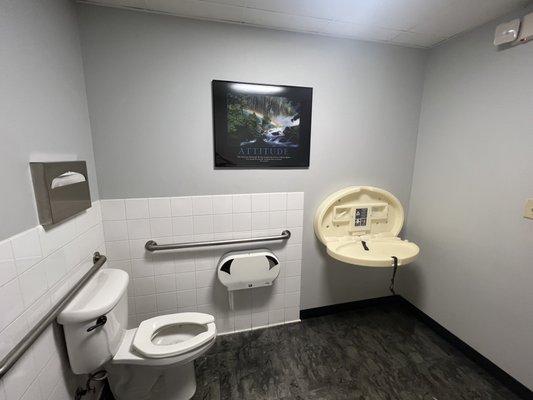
295,218
137,208
260,298
33,284
186,280
222,235
187,298
42,347
137,248
207,309
276,316
278,286
242,203
292,299
202,205
204,260
56,237
225,325
88,218
167,302
276,301
203,224
144,286
184,263
11,304
141,268
159,207
160,227
259,202
124,265
242,301
276,219
165,283
293,268
163,263
223,223
11,335
277,201
113,210
204,295
55,267
26,249
139,229
205,278
18,379
292,314
33,392
242,234
259,319
294,252
50,376
118,250
243,322
292,284
242,222
295,201
6,251
202,237
181,206
145,304
259,220
182,226
223,204
8,269
296,235
115,230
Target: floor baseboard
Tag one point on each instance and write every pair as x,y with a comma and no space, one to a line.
353,305
503,377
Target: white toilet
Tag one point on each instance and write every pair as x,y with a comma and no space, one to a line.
152,362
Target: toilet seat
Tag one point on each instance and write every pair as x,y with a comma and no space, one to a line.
148,330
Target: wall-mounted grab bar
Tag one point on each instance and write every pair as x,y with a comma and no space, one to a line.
18,351
153,246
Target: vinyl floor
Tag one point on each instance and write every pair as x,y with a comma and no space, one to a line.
375,353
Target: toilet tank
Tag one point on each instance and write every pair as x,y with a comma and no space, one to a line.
95,320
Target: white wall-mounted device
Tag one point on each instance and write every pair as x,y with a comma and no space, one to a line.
238,270
514,32
507,32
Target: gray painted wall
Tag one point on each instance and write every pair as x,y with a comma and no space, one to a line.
43,102
471,180
149,91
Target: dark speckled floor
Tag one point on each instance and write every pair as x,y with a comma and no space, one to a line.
373,354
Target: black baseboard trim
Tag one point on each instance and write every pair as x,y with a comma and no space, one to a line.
503,377
353,305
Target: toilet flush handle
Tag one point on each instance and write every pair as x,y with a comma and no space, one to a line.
99,322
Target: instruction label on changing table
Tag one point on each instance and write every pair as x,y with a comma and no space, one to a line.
361,215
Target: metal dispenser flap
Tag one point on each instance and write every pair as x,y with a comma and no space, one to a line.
61,190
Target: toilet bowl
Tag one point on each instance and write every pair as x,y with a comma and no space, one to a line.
154,361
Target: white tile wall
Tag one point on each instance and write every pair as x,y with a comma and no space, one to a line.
186,280
36,268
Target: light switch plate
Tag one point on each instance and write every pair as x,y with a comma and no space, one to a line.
528,211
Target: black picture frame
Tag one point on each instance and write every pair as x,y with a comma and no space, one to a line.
261,125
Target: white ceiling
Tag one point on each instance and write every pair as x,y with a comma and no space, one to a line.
416,23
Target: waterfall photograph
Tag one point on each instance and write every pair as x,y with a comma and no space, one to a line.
261,125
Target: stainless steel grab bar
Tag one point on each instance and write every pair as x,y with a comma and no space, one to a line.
153,246
25,343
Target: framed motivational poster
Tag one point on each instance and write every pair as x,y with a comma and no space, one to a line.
261,126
